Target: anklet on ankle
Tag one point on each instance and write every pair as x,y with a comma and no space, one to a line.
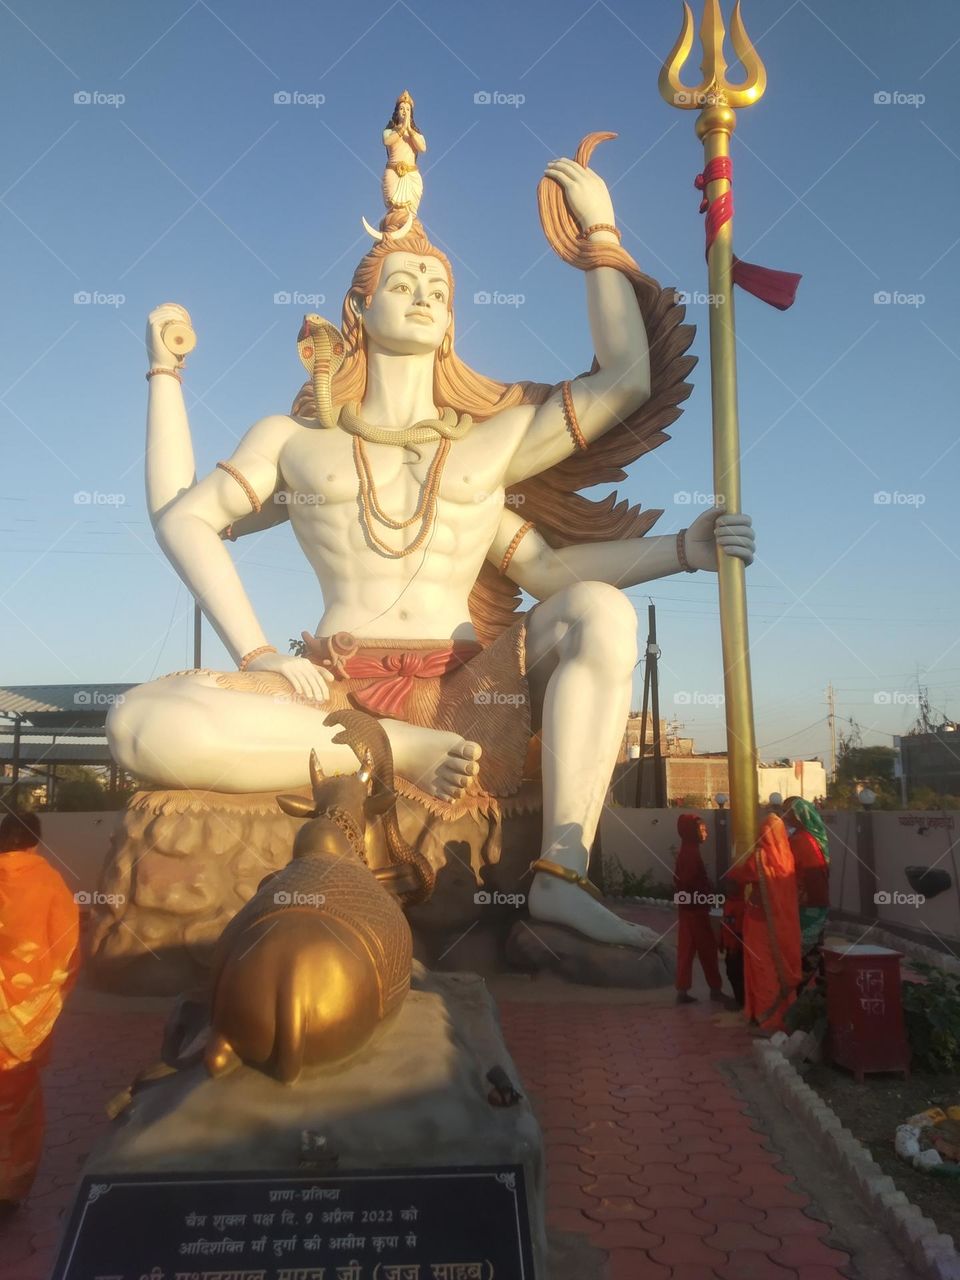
564,873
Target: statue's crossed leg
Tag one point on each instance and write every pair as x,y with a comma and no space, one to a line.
187,731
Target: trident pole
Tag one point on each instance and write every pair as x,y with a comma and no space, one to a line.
716,100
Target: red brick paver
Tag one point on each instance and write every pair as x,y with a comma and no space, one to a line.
667,1149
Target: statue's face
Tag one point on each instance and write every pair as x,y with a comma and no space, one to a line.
410,310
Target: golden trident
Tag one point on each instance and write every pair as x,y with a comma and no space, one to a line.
716,98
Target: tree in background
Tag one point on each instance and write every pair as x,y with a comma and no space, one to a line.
859,766
81,788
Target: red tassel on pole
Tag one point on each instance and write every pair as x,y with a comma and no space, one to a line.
777,288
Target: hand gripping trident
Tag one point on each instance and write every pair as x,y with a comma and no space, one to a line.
716,99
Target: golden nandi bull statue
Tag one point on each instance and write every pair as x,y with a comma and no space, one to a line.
322,953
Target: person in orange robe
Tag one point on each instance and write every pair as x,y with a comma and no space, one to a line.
771,926
39,930
692,894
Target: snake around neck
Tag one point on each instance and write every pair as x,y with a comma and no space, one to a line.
449,426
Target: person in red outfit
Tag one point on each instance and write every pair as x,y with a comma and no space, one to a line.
694,896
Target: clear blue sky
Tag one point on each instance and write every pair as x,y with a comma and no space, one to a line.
198,188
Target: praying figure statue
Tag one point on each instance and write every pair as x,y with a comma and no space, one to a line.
402,185
424,505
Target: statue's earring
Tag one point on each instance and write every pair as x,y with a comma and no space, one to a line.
445,346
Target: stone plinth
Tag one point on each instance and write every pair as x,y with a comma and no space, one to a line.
414,1097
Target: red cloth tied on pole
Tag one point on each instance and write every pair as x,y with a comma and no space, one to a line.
778,288
395,673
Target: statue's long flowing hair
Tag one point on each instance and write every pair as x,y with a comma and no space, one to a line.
551,500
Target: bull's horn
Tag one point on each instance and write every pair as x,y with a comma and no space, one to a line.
316,772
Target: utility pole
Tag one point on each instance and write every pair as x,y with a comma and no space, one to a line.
651,695
653,653
832,718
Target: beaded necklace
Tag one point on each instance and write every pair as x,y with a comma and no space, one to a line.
425,509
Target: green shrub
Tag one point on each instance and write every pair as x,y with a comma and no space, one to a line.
931,1011
644,885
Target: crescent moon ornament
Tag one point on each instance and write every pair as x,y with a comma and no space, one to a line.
388,235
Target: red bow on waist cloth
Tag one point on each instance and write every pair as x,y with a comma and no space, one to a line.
395,673
778,288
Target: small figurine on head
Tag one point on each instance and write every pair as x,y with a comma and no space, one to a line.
402,186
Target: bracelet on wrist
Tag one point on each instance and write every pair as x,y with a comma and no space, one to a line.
682,552
173,373
254,653
600,226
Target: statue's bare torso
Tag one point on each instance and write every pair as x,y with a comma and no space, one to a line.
423,595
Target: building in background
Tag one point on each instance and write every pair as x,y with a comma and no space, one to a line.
696,779
931,760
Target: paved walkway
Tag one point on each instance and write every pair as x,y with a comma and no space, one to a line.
652,1154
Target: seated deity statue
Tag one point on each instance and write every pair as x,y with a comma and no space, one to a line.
426,497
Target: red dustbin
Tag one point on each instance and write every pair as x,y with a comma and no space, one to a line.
864,1010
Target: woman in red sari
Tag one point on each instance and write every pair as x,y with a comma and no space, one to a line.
771,926
39,925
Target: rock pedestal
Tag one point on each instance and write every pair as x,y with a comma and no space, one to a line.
183,863
416,1097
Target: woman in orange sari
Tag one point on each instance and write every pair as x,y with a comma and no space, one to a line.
39,926
771,926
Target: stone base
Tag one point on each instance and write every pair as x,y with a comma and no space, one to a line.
551,948
414,1097
183,863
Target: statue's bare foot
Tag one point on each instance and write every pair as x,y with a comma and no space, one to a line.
442,764
554,901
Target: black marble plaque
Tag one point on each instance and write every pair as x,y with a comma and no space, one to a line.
404,1224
